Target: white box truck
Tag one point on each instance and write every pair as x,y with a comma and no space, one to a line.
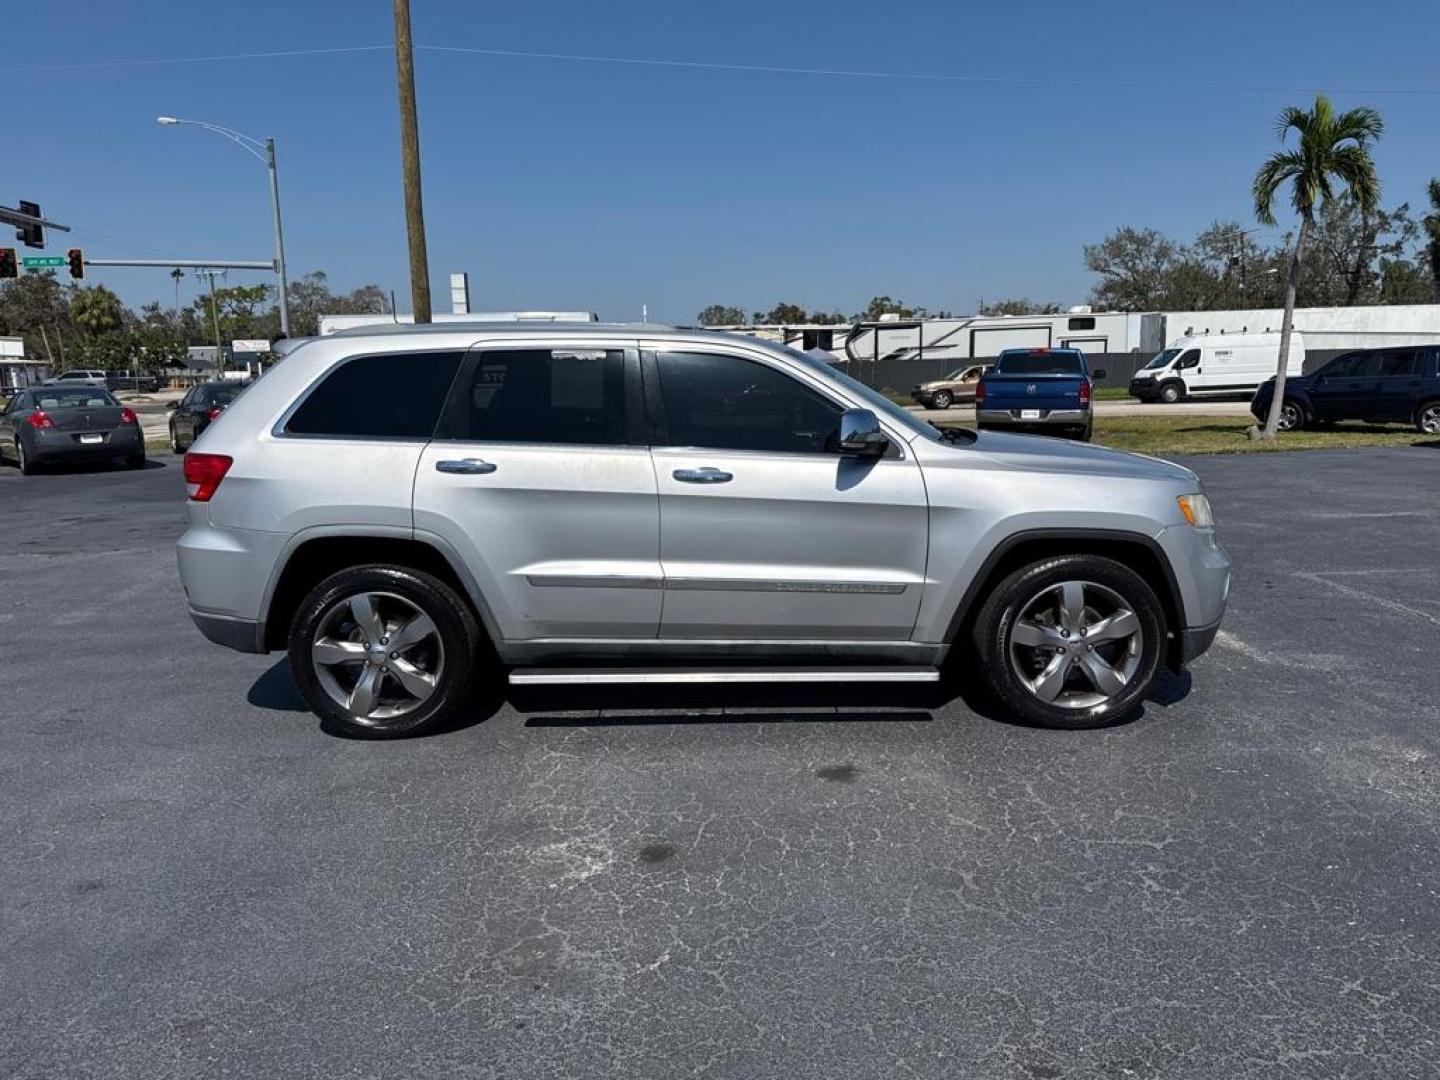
1214,365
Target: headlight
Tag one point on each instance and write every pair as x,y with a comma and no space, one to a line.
1196,510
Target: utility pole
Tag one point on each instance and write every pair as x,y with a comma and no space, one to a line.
215,317
410,162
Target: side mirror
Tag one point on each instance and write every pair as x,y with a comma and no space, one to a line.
860,434
1098,373
172,404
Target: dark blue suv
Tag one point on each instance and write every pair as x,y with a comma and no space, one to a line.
1395,385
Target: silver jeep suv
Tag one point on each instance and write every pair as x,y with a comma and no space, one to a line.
404,509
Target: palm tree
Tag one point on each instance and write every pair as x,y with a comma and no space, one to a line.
1331,148
1431,221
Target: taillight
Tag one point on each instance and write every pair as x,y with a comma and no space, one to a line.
980,393
127,416
1085,392
214,413
203,473
39,418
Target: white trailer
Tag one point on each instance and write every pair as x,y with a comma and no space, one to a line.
973,337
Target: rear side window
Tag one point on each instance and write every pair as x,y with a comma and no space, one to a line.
567,396
1400,362
391,396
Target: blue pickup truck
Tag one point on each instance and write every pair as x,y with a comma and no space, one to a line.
1047,390
1394,385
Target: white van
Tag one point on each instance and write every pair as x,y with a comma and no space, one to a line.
1214,365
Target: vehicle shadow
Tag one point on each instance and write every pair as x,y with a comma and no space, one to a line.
79,468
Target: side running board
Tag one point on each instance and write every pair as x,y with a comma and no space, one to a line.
540,676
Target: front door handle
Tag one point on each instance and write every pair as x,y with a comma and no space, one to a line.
469,466
706,475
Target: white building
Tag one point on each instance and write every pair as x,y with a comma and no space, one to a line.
15,370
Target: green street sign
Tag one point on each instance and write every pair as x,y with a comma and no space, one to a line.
32,262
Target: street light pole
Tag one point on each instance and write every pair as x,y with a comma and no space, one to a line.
265,153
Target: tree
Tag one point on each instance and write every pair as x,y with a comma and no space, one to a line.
720,315
883,305
1431,225
96,310
1137,269
1403,282
783,314
36,308
1020,306
1330,148
310,297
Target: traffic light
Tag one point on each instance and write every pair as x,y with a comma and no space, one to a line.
76,260
30,235
8,267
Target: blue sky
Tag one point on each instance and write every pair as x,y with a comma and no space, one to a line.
573,184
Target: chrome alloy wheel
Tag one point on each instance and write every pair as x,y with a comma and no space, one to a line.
1430,419
377,655
1290,416
1076,645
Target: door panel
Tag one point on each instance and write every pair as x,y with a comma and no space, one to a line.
560,534
765,531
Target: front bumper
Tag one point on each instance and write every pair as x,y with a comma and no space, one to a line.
1195,640
1047,417
1144,389
243,635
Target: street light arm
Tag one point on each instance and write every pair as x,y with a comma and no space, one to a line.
254,147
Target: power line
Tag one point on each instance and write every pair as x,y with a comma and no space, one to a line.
908,76
198,59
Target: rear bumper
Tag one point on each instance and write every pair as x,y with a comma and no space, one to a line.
1047,418
243,635
48,444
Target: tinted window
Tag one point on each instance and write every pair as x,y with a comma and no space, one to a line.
573,396
1367,365
1400,362
1343,365
224,395
394,396
1082,322
727,403
1039,363
1188,359
74,397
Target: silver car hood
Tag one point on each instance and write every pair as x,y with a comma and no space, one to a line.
1044,453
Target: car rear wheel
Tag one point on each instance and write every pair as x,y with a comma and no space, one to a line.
1071,642
943,399
1427,418
1171,392
23,459
383,651
1292,417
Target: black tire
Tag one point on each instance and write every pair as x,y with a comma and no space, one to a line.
943,399
1427,418
1017,594
455,628
1083,434
27,465
1292,416
1171,393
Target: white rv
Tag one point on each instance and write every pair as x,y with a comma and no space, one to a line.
1214,365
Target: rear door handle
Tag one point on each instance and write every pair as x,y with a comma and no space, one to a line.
706,475
469,466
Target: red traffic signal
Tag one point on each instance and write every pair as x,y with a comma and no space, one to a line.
76,260
9,268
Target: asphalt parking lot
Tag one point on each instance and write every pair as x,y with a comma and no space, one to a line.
196,881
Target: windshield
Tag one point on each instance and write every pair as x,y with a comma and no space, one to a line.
1161,359
73,397
1040,363
876,400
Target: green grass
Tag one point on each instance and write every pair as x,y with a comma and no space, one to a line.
1228,435
1112,393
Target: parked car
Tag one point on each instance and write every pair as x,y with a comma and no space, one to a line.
48,424
1038,390
198,409
1214,365
403,510
78,377
959,386
133,381
1395,385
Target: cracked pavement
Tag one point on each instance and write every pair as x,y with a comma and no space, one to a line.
196,881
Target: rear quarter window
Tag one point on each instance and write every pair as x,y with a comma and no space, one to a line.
388,396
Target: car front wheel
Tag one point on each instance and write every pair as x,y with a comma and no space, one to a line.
383,651
1170,393
1292,417
1071,642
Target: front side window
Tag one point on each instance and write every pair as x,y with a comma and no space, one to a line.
389,396
566,396
730,403
1188,359
1343,366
